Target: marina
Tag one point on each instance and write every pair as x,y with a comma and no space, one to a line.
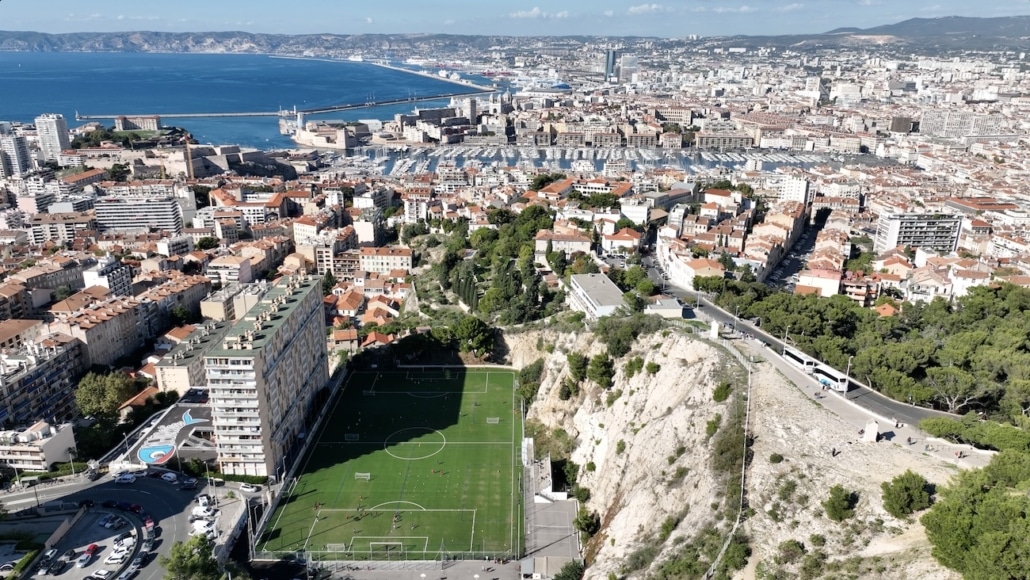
399,160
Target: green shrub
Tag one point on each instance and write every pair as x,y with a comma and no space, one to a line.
906,494
722,392
712,426
789,551
786,490
24,563
620,447
812,566
679,474
581,493
653,368
612,396
817,540
775,458
587,522
633,366
591,467
841,503
668,526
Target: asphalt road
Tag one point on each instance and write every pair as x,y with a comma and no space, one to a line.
862,395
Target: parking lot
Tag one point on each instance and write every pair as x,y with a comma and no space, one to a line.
94,550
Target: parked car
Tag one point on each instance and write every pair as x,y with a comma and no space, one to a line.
136,508
116,558
169,477
84,559
125,478
249,488
87,503
147,545
203,512
8,566
204,500
56,567
109,503
138,562
127,574
101,574
122,536
49,554
69,555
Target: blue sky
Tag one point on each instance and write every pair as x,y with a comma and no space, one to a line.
522,17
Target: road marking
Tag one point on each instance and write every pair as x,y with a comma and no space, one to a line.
146,492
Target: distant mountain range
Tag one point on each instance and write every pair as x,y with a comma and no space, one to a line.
946,33
1003,27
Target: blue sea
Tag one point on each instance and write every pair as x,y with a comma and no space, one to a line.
136,84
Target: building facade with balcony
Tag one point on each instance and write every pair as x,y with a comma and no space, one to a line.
264,376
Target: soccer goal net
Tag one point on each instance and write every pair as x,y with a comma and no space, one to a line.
366,476
388,549
493,420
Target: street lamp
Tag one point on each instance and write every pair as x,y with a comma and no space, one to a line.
784,351
736,318
847,376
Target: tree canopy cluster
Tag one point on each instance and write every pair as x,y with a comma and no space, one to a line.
973,354
979,525
501,281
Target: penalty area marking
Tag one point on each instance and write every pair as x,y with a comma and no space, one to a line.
398,501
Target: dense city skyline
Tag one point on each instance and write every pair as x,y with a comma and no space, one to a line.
606,17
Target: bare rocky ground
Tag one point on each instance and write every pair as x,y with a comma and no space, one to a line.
786,496
662,468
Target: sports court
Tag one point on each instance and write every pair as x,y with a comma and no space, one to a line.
409,464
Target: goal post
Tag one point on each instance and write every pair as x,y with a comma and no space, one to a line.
493,420
389,549
366,475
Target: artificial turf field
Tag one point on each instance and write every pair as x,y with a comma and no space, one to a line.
440,448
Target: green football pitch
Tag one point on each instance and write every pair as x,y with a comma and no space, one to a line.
420,464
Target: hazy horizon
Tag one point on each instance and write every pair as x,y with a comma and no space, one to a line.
674,18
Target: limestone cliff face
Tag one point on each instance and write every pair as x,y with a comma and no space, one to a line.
645,436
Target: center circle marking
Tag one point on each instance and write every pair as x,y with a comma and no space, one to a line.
439,445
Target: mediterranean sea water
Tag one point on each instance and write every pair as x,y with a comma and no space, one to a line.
32,83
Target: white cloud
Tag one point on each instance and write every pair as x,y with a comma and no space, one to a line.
745,9
448,22
609,13
73,17
369,20
790,7
646,9
537,13
869,2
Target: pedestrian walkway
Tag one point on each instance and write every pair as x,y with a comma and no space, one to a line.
965,456
837,403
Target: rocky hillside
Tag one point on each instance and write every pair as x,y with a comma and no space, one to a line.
644,446
656,452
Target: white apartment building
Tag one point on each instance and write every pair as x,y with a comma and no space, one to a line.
135,212
35,448
594,295
53,135
14,156
385,260
263,377
110,274
944,123
933,232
